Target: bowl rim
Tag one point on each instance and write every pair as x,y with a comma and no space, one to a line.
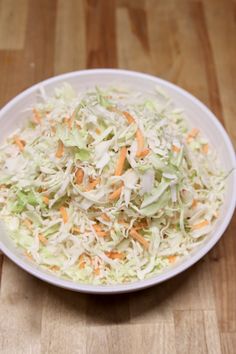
171,272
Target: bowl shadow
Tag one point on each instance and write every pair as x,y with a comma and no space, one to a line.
123,308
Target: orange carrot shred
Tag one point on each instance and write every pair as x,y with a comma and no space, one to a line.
75,230
175,148
192,134
60,149
105,217
93,184
200,225
45,200
20,143
114,255
129,117
194,203
64,214
82,261
98,131
96,271
42,239
54,268
29,255
37,116
114,109
139,238
79,176
27,223
205,148
144,153
140,142
121,161
171,259
69,122
53,129
98,229
116,194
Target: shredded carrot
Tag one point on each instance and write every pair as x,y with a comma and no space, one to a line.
192,134
20,143
140,142
99,231
98,131
3,186
69,122
194,203
45,200
37,116
53,129
64,214
139,238
54,268
42,239
144,153
200,225
116,194
96,271
77,124
93,184
122,222
121,161
141,225
27,223
205,148
29,255
105,217
75,230
171,259
60,149
79,176
114,109
82,262
129,117
115,255
175,148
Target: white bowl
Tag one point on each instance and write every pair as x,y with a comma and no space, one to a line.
13,115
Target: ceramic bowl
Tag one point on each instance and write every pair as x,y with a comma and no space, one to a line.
13,115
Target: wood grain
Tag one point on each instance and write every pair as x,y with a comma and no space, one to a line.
191,43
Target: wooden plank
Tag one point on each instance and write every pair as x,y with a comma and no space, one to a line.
103,310
63,322
20,311
35,62
133,339
212,335
220,19
132,28
70,45
223,261
101,34
13,18
228,343
190,332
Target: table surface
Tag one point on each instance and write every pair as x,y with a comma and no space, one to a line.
189,42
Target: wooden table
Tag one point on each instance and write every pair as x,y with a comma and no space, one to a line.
189,42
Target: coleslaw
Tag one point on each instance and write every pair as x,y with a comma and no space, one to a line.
108,185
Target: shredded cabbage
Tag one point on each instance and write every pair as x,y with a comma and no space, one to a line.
108,186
